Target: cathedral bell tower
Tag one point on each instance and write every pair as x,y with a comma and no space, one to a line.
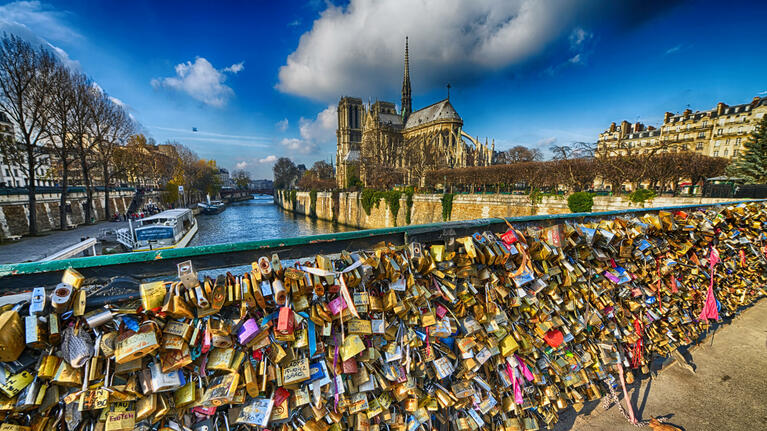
407,100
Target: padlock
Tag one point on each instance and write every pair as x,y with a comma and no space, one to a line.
285,321
188,275
61,296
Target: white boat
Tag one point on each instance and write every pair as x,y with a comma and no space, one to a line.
212,207
168,229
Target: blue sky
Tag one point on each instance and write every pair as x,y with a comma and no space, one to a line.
260,80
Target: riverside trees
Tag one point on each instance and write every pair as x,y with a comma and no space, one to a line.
64,121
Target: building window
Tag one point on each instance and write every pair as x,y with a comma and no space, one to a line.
726,151
699,146
740,129
705,123
716,153
727,141
737,141
735,153
719,132
701,134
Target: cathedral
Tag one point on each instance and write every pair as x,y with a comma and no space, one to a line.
375,139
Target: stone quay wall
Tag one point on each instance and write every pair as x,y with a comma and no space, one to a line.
346,208
14,210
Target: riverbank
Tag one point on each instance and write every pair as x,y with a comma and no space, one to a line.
348,209
34,248
250,220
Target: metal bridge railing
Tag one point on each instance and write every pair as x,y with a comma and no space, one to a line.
163,262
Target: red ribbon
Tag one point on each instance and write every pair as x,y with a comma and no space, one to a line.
636,357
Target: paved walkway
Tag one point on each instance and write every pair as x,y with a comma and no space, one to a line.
30,249
727,392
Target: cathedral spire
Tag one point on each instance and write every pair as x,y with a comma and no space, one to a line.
407,102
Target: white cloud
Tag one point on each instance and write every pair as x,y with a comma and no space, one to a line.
546,142
673,49
282,125
450,41
241,165
45,21
322,128
315,133
235,68
578,36
201,81
268,159
39,24
298,145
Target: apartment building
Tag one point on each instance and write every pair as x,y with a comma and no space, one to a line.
718,132
11,174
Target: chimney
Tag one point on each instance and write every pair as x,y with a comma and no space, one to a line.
624,128
755,101
666,117
720,108
687,113
650,127
638,127
612,127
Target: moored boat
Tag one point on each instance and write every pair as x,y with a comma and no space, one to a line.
168,229
213,207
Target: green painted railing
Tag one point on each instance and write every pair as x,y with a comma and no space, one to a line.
162,262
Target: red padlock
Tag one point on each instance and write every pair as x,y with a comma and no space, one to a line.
285,322
206,341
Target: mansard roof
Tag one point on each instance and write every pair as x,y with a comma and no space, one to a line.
440,111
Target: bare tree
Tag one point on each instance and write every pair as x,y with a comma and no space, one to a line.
83,142
241,178
60,130
111,128
521,153
25,92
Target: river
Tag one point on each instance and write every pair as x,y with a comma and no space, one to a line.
257,219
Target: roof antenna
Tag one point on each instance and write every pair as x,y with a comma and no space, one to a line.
448,91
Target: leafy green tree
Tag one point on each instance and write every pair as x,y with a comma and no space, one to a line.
752,164
285,173
241,178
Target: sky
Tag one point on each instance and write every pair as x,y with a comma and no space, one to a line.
261,80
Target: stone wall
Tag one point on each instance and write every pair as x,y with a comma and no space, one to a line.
427,208
14,211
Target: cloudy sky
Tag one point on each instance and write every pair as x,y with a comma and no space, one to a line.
260,80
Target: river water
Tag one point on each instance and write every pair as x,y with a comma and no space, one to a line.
257,219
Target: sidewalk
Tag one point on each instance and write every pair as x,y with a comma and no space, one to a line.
727,392
30,249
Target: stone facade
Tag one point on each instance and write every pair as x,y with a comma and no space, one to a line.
718,132
407,143
427,208
14,211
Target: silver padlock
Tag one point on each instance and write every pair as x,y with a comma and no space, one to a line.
97,318
37,304
61,297
187,274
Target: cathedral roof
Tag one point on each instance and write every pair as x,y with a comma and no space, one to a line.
440,111
390,119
